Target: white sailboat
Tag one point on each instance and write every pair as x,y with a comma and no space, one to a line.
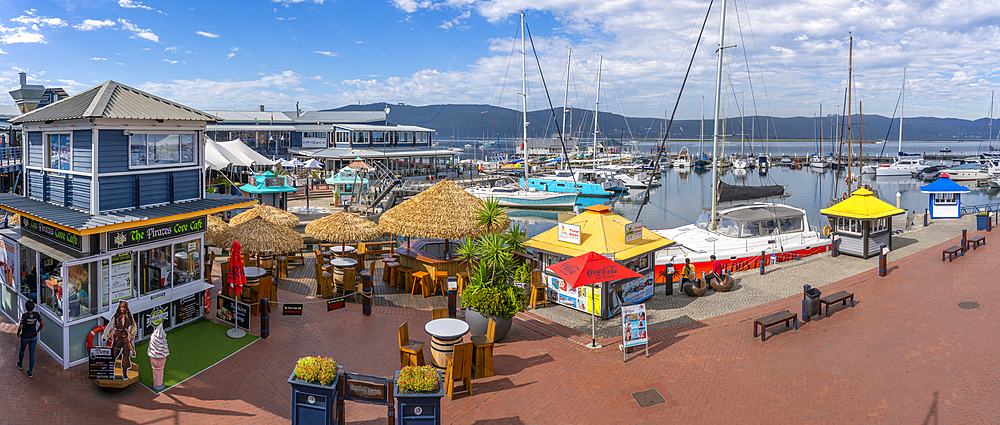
514,195
906,164
741,232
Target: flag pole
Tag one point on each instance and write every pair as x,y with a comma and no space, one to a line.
593,318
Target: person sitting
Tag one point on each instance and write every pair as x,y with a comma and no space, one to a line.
688,272
717,272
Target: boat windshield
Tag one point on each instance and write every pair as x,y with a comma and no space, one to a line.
702,221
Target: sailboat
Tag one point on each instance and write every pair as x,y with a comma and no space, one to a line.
818,160
702,161
525,196
739,233
906,164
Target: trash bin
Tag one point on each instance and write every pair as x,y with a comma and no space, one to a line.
982,221
810,302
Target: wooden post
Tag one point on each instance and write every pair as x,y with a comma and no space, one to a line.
391,400
341,391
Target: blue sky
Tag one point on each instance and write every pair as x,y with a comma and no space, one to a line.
324,54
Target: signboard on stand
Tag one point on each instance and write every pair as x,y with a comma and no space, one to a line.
633,231
569,233
233,312
102,363
634,328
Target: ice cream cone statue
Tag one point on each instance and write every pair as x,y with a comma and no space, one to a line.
158,352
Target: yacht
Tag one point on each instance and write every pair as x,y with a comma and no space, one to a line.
905,165
967,172
683,159
580,182
818,161
740,163
946,150
513,196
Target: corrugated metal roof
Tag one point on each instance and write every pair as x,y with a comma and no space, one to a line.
369,127
228,126
114,100
80,220
342,116
254,116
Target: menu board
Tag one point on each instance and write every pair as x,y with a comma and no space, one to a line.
634,325
186,308
102,363
121,276
235,313
155,316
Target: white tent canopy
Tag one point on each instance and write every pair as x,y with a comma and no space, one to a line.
218,158
312,163
244,153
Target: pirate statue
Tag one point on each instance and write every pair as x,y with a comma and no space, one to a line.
121,330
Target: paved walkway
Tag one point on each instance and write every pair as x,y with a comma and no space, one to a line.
907,353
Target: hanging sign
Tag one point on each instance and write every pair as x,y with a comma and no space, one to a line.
291,309
634,328
146,234
53,234
633,231
569,233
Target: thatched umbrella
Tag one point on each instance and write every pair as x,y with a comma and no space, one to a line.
444,211
259,236
216,228
269,213
343,227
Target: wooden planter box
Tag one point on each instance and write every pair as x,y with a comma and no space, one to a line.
418,408
313,403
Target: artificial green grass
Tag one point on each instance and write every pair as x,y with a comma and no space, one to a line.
193,348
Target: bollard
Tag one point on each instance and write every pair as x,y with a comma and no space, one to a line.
989,223
965,241
927,214
366,293
763,259
453,297
668,273
265,319
882,263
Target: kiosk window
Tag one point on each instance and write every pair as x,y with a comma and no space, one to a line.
154,270
29,274
187,262
51,280
83,290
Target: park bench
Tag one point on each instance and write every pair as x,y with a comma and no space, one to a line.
841,296
977,240
774,319
951,253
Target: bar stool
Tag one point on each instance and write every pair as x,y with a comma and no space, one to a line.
388,270
420,278
440,280
463,279
537,290
402,278
282,265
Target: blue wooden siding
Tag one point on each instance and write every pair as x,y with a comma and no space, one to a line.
82,152
154,188
55,189
35,149
186,185
112,153
296,139
79,193
116,192
35,184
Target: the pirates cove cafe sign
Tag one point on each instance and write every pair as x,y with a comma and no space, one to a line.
147,234
53,234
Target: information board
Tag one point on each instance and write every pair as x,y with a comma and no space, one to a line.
102,363
186,308
291,309
569,233
633,231
121,276
634,328
233,312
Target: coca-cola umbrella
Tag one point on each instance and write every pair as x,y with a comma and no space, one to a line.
589,269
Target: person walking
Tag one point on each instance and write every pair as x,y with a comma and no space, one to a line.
29,335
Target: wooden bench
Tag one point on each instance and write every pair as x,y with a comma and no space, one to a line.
977,240
774,319
841,296
951,253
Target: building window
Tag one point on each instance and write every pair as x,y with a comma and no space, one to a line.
880,225
154,270
945,199
848,225
59,152
50,277
161,149
83,290
187,262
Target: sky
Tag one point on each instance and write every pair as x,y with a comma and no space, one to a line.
784,57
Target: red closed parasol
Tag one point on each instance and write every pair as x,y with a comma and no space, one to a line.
237,277
588,269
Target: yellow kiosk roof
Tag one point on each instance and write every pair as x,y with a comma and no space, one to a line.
862,204
601,231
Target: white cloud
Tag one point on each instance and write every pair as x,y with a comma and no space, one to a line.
129,4
232,52
286,3
93,24
207,34
39,20
20,35
97,59
139,32
2,52
457,21
330,54
170,61
410,6
119,63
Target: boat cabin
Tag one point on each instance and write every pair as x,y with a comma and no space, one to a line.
750,221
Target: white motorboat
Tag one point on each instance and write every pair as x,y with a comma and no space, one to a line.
683,159
905,165
818,161
740,163
512,196
967,172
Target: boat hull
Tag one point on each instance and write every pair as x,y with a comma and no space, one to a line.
560,186
566,201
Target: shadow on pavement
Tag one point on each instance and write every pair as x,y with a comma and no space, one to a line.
513,365
513,420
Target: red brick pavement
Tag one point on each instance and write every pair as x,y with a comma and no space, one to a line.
906,354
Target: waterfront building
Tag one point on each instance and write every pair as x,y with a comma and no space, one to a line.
114,210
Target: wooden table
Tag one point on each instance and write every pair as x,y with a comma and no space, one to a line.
419,260
339,264
445,333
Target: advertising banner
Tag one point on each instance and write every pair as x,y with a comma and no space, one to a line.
233,312
120,276
9,263
634,325
638,290
147,234
569,233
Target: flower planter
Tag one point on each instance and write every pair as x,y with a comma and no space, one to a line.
418,408
313,403
478,323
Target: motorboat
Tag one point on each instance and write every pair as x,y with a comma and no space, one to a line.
683,159
930,173
580,182
818,161
945,150
967,172
513,196
741,234
785,160
994,182
740,163
905,165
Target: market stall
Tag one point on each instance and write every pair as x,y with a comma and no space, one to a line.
599,230
862,223
270,189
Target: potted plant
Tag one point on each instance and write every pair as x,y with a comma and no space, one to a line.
490,294
418,393
314,390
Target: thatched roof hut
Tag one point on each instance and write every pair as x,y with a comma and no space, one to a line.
269,213
258,236
444,211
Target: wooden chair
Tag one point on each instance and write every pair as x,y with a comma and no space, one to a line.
350,282
484,351
439,313
440,281
463,279
411,353
459,367
420,279
538,296
324,282
297,256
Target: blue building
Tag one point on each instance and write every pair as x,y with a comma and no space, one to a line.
114,210
944,197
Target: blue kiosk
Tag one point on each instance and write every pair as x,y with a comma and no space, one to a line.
945,197
270,189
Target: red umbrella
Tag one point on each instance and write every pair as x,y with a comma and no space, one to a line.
237,277
588,269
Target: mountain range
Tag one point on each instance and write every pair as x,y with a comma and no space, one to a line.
479,122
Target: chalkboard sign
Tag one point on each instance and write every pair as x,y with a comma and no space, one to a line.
291,309
243,315
233,312
187,308
102,363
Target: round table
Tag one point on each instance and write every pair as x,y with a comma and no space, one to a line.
253,275
340,249
445,333
338,267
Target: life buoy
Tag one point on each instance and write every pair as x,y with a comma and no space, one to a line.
431,178
93,333
826,230
206,302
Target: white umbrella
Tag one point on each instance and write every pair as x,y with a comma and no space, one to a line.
295,162
313,163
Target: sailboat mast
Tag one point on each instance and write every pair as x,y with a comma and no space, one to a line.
718,110
701,140
821,129
742,129
902,104
850,75
597,104
524,101
566,93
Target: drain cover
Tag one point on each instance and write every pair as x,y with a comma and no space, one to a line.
968,305
648,398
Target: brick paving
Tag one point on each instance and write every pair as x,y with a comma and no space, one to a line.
905,354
